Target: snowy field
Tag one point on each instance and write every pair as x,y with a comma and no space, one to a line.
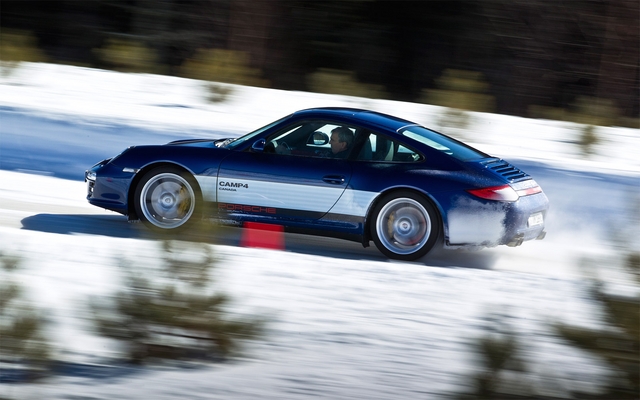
345,323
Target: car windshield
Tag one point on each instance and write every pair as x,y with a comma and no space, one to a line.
243,139
442,143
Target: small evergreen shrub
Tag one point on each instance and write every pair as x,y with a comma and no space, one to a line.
454,118
594,111
503,367
23,344
463,90
616,343
588,139
218,93
128,56
170,313
334,81
586,110
226,66
17,46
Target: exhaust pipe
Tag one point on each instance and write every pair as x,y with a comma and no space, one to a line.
516,241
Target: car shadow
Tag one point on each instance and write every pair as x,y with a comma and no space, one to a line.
461,258
116,226
105,225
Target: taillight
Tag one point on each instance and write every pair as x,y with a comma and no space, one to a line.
529,191
498,193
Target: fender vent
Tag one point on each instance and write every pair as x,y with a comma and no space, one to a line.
506,170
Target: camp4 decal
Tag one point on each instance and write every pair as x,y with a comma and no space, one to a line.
232,186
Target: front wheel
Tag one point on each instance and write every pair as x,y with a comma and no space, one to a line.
404,226
166,199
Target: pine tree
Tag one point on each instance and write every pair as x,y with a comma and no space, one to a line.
23,344
617,344
172,314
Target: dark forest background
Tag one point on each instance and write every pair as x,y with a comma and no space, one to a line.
534,58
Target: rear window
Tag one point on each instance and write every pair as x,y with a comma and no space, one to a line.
442,143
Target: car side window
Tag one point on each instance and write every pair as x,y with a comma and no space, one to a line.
382,148
307,139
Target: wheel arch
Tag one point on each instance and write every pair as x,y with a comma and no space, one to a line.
367,221
142,172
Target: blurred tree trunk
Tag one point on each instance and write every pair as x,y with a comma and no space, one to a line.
618,78
152,19
175,29
534,53
250,24
551,53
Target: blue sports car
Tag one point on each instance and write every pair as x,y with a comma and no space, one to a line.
339,172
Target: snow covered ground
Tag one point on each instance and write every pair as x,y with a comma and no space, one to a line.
359,327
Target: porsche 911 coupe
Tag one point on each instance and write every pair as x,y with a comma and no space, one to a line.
346,173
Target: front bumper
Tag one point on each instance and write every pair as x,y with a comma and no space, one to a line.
108,187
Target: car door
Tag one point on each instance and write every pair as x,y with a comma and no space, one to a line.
294,181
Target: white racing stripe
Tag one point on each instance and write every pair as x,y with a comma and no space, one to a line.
286,195
354,202
208,186
270,194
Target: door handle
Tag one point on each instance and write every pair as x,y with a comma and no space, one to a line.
334,179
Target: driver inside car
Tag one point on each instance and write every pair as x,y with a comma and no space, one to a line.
341,142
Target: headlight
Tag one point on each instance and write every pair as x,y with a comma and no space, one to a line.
90,175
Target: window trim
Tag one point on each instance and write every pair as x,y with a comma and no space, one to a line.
394,142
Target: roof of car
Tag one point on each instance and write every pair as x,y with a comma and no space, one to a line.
372,117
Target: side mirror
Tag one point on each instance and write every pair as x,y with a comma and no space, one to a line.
319,138
258,146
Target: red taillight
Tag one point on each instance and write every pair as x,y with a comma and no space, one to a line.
498,193
529,191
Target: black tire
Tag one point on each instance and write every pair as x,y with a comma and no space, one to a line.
167,199
404,225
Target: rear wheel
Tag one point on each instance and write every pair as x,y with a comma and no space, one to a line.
404,226
167,199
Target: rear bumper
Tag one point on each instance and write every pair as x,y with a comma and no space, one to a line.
522,221
474,223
